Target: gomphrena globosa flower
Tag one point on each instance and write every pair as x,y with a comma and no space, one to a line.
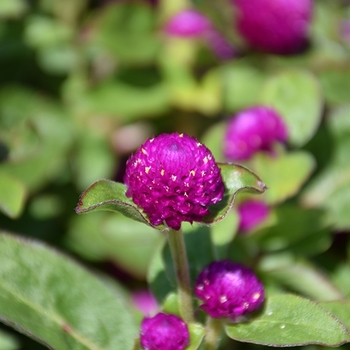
164,332
252,213
275,26
173,178
251,130
229,290
187,23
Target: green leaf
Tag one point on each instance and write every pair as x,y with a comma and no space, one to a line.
197,333
289,320
340,309
12,196
300,276
52,299
210,140
12,8
109,195
302,231
296,95
236,178
284,174
242,85
8,342
331,188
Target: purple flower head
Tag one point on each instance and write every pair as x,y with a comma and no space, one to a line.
173,178
145,302
252,130
251,214
275,26
164,332
229,290
187,24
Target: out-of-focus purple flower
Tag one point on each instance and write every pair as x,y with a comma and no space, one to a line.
145,302
252,130
251,214
164,332
187,24
275,26
192,24
173,178
229,290
344,30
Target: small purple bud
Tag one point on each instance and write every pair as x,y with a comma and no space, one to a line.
275,26
344,30
173,178
187,24
252,130
145,302
251,214
219,45
164,332
229,290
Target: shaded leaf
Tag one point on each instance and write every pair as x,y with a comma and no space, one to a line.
12,196
50,298
296,95
284,174
289,320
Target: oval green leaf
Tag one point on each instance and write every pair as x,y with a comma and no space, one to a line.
289,320
52,299
236,178
296,95
109,195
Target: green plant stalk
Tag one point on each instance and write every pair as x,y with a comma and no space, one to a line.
213,333
178,251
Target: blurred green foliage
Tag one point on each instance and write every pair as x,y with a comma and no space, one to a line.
83,83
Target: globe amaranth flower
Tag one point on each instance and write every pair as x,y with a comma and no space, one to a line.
173,178
190,23
229,290
252,130
164,332
252,213
275,26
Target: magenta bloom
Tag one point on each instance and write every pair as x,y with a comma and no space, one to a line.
229,290
145,302
173,178
251,214
187,24
252,130
275,26
164,332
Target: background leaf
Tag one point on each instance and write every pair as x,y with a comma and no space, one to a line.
289,320
296,95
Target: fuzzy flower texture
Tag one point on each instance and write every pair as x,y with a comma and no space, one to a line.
173,178
164,332
229,290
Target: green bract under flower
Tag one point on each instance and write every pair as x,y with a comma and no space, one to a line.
173,178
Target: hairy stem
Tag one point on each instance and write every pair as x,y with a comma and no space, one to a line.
213,333
178,252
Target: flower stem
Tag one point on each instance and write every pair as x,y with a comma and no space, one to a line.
178,252
213,333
